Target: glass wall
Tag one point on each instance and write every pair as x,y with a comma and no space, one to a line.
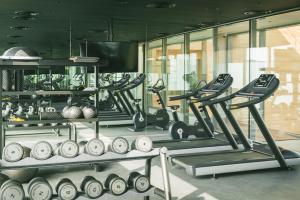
153,70
231,57
245,50
175,70
278,52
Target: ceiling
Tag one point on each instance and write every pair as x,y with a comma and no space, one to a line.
131,20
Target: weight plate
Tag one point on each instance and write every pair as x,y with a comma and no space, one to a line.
95,147
67,191
13,152
120,145
11,190
143,143
41,150
93,189
142,184
69,149
40,190
118,186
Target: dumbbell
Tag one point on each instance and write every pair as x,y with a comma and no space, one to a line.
91,187
67,149
119,145
41,150
139,182
39,189
14,152
142,143
66,190
115,184
10,189
94,147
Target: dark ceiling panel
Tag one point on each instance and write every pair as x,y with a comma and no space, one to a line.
132,20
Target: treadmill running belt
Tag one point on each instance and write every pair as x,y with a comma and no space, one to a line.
221,158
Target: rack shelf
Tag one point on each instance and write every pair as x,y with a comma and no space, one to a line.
45,92
5,123
130,194
80,159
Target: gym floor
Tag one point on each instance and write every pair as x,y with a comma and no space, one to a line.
266,185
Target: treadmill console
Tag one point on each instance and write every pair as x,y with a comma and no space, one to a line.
264,80
221,79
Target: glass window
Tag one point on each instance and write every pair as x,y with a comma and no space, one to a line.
200,60
278,52
153,70
232,51
175,69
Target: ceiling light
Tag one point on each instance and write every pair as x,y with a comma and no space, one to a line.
190,27
257,12
25,15
123,2
161,34
24,12
21,28
250,12
97,31
162,4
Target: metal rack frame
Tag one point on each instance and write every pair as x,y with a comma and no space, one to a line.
82,159
45,64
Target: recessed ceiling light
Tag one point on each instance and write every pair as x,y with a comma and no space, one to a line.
97,31
21,28
26,12
250,12
257,12
14,36
203,24
190,27
25,15
163,4
162,34
123,2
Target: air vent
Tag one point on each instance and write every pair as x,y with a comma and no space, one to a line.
20,28
25,15
163,4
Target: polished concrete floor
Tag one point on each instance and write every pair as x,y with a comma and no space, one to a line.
259,185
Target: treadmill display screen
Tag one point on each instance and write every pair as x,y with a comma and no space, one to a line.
221,79
264,80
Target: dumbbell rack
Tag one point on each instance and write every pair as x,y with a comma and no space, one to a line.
108,196
45,64
85,159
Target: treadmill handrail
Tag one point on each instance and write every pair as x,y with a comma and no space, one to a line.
116,84
191,93
134,83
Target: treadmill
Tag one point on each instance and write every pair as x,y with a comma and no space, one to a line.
209,141
120,106
123,93
258,156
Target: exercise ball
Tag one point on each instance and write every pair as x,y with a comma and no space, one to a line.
65,112
74,112
20,53
21,175
89,112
